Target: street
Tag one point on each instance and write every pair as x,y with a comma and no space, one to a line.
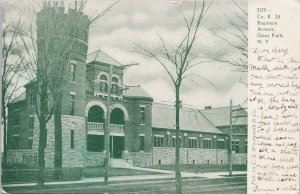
224,185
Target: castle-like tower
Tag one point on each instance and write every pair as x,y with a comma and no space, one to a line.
62,45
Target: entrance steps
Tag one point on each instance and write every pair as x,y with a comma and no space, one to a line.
119,163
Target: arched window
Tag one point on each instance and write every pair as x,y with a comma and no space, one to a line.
114,87
103,78
103,83
96,114
117,117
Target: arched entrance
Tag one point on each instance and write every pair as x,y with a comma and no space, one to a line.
117,140
96,114
95,122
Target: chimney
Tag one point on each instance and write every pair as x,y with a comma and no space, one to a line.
207,107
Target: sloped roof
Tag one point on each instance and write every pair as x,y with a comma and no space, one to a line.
221,116
136,92
163,116
102,57
19,98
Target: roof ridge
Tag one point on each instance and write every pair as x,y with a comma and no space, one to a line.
221,107
109,56
104,53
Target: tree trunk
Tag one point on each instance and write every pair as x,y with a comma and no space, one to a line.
177,153
41,150
4,125
43,134
58,140
4,135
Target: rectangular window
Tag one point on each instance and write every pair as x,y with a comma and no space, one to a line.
158,141
235,146
32,99
73,72
31,122
246,146
30,142
16,119
192,143
174,142
72,104
16,141
95,143
207,143
72,139
220,144
142,143
142,115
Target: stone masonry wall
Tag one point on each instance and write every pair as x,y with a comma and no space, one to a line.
166,155
71,157
94,159
239,158
138,158
26,157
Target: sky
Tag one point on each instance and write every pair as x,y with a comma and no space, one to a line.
141,21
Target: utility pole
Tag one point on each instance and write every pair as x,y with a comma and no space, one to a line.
107,123
107,126
230,141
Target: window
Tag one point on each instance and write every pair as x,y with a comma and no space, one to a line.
142,143
32,99
30,142
207,143
142,114
31,122
174,141
114,87
220,144
72,104
235,146
95,143
103,83
16,119
16,141
183,145
246,146
73,68
72,139
158,141
192,142
236,130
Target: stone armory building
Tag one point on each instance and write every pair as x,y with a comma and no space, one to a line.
141,132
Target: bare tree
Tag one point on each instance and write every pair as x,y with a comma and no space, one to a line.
48,53
177,61
12,66
237,38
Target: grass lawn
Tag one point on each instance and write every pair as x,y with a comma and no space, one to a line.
201,167
100,171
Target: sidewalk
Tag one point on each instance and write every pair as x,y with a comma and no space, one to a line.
168,175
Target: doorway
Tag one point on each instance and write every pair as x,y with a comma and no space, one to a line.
117,145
